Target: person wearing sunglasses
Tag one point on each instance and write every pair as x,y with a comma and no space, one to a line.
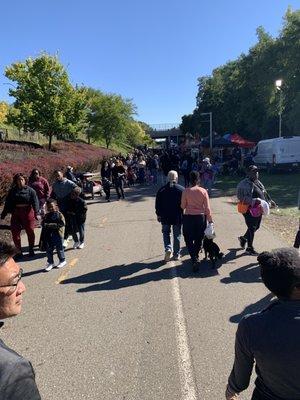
17,378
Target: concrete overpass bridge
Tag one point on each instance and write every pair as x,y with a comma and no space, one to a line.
166,131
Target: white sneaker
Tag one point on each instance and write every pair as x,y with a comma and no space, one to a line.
49,267
81,246
65,243
168,254
61,264
76,245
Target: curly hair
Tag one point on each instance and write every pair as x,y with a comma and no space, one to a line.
280,270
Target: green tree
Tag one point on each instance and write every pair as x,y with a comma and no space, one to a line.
137,134
109,116
241,94
4,109
45,99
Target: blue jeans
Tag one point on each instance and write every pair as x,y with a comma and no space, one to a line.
166,230
207,184
55,242
154,173
81,233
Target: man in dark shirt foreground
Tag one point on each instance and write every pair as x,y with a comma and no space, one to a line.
270,338
17,380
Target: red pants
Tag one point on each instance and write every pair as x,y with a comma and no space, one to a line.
22,218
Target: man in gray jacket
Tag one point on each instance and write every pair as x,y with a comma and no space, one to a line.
17,379
61,190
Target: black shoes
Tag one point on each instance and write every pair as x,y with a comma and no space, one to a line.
195,263
242,241
251,251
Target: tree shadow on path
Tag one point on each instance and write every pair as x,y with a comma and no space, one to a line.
118,276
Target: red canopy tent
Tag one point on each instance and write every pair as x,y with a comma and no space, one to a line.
241,142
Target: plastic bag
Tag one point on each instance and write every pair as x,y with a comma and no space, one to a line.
265,207
210,231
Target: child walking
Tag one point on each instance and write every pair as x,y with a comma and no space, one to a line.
76,216
52,235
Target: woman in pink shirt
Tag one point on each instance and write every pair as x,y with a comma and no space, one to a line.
196,207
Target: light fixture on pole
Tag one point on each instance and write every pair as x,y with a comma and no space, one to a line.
210,129
278,84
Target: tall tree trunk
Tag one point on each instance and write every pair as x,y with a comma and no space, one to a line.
50,141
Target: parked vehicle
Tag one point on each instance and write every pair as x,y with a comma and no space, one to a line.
278,153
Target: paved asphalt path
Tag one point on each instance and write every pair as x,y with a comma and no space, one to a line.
117,324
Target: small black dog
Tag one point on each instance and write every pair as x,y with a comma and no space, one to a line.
212,250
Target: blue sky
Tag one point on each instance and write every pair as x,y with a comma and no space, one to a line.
152,51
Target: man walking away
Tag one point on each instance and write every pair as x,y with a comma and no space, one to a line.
169,214
17,379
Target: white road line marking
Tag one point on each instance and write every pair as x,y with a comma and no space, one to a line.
188,384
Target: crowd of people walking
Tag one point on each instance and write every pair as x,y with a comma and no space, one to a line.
60,210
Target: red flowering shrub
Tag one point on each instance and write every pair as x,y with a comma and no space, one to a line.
21,158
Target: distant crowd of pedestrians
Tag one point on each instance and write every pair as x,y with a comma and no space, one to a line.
268,338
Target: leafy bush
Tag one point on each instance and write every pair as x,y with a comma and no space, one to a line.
21,158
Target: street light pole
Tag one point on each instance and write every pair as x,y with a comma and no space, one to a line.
278,85
210,129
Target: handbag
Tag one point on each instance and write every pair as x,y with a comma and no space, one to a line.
242,207
256,210
210,231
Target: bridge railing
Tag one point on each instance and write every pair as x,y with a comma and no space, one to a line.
164,127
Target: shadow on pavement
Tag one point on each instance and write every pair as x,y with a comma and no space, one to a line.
246,274
232,255
111,278
132,194
35,272
252,308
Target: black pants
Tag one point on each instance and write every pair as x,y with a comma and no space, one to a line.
193,232
297,240
106,189
186,176
119,188
253,224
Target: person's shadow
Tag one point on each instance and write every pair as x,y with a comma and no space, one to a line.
119,276
252,308
249,273
232,255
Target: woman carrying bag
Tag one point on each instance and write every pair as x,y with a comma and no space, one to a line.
196,207
251,194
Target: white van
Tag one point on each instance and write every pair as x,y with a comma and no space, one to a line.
281,152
